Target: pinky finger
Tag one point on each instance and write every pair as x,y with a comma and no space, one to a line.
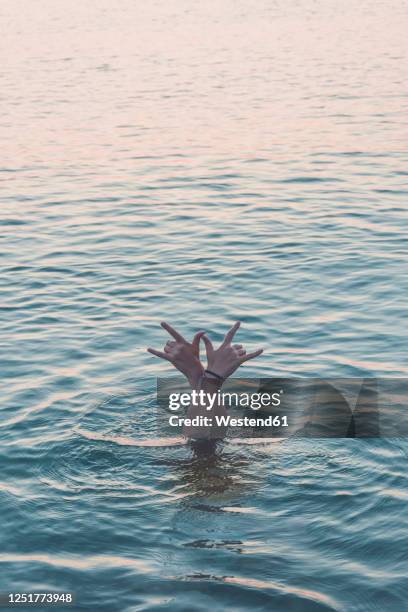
251,355
158,354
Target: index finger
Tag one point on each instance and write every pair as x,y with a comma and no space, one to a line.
172,331
231,333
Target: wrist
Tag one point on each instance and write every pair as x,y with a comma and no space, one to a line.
195,375
210,383
217,371
212,375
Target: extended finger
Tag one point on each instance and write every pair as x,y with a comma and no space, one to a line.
172,331
197,338
208,345
231,333
252,355
158,354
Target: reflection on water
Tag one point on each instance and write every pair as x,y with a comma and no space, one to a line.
212,473
201,163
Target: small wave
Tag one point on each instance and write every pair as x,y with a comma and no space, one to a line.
282,589
125,441
79,563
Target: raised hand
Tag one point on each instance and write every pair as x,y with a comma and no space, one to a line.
228,357
184,355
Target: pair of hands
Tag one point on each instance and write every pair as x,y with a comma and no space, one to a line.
185,356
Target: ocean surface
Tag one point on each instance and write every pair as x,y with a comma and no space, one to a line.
199,163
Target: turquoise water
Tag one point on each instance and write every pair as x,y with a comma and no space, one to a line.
199,164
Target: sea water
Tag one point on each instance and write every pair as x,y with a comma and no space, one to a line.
199,163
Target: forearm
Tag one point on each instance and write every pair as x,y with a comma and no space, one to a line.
208,405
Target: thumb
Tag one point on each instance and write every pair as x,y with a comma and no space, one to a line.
251,355
196,340
208,345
